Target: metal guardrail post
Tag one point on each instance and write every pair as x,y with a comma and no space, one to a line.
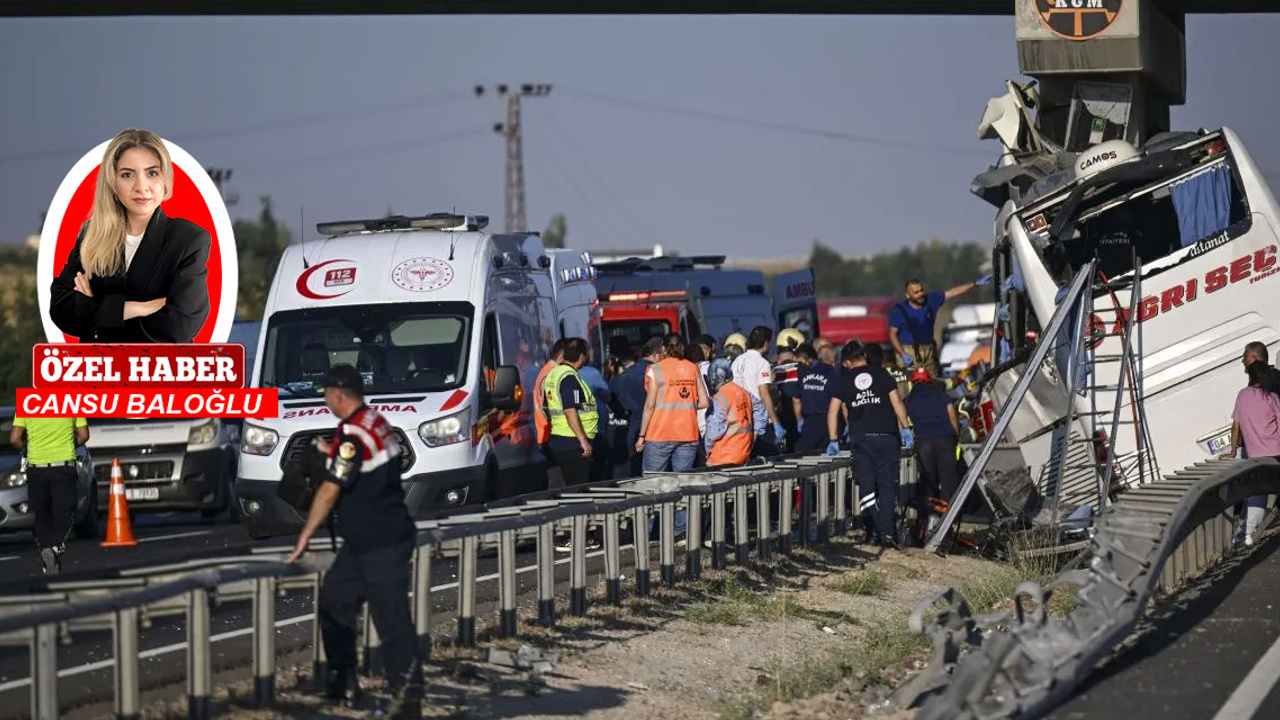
693,548
467,591
741,535
319,663
264,641
612,560
806,509
786,498
578,567
667,543
199,658
507,583
128,706
546,574
764,522
823,480
640,546
422,599
841,515
44,672
718,531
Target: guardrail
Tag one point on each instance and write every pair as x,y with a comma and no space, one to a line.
827,497
1153,537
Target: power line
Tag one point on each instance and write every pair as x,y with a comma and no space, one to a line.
771,125
291,123
571,148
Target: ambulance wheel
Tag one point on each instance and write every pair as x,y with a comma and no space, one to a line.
492,491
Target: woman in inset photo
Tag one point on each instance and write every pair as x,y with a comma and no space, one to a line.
135,274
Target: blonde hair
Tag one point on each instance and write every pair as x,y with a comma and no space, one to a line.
105,229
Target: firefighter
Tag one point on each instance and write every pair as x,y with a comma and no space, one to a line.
361,486
877,421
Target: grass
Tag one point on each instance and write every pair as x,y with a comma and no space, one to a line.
730,602
862,582
993,591
874,659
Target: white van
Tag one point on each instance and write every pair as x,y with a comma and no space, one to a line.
447,324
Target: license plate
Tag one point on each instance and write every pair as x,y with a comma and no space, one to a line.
1220,444
144,493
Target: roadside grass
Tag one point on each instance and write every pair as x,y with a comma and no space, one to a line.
864,582
875,659
728,601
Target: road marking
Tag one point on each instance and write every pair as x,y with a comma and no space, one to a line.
1247,698
174,536
11,557
175,647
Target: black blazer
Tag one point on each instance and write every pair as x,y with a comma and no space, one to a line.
169,263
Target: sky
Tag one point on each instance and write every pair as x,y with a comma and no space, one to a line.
750,136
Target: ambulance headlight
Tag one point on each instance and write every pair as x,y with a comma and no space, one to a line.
446,430
258,440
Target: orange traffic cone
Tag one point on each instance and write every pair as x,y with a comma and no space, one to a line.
119,529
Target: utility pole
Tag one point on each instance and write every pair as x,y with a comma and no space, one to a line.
511,130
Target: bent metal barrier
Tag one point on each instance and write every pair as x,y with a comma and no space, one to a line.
823,483
1152,538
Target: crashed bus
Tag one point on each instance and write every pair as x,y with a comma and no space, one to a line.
1192,214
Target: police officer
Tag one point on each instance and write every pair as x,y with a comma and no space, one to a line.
361,486
877,418
49,445
816,388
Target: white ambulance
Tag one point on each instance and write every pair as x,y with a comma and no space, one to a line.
577,301
447,324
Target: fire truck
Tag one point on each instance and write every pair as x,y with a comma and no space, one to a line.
645,297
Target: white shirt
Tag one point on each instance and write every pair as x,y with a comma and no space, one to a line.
131,243
751,370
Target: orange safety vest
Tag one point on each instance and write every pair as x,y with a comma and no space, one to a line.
734,448
541,424
675,417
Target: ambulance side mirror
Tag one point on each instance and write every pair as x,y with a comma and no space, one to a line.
507,393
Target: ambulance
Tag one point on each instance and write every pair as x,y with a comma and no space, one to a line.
578,311
446,323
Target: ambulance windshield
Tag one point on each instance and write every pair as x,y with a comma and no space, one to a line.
413,347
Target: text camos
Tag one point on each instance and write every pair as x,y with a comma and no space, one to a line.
143,380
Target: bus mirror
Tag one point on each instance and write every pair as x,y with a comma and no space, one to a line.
507,393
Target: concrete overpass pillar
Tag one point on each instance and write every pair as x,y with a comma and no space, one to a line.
1107,69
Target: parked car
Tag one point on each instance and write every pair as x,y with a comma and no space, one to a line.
15,514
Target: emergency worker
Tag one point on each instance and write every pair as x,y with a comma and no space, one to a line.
736,419
937,430
631,389
575,420
361,487
753,373
49,445
911,322
786,384
877,420
669,427
817,385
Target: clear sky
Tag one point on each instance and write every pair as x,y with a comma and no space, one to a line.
746,135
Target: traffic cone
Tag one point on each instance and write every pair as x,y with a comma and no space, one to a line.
119,529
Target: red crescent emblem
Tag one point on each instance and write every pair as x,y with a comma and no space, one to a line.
306,291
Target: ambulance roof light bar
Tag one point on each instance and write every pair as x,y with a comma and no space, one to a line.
645,296
449,222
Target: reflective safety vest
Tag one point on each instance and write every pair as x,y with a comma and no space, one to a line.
555,404
541,424
734,448
675,416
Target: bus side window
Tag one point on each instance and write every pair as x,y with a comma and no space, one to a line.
489,350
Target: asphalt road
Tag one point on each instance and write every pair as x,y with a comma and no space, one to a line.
1216,656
